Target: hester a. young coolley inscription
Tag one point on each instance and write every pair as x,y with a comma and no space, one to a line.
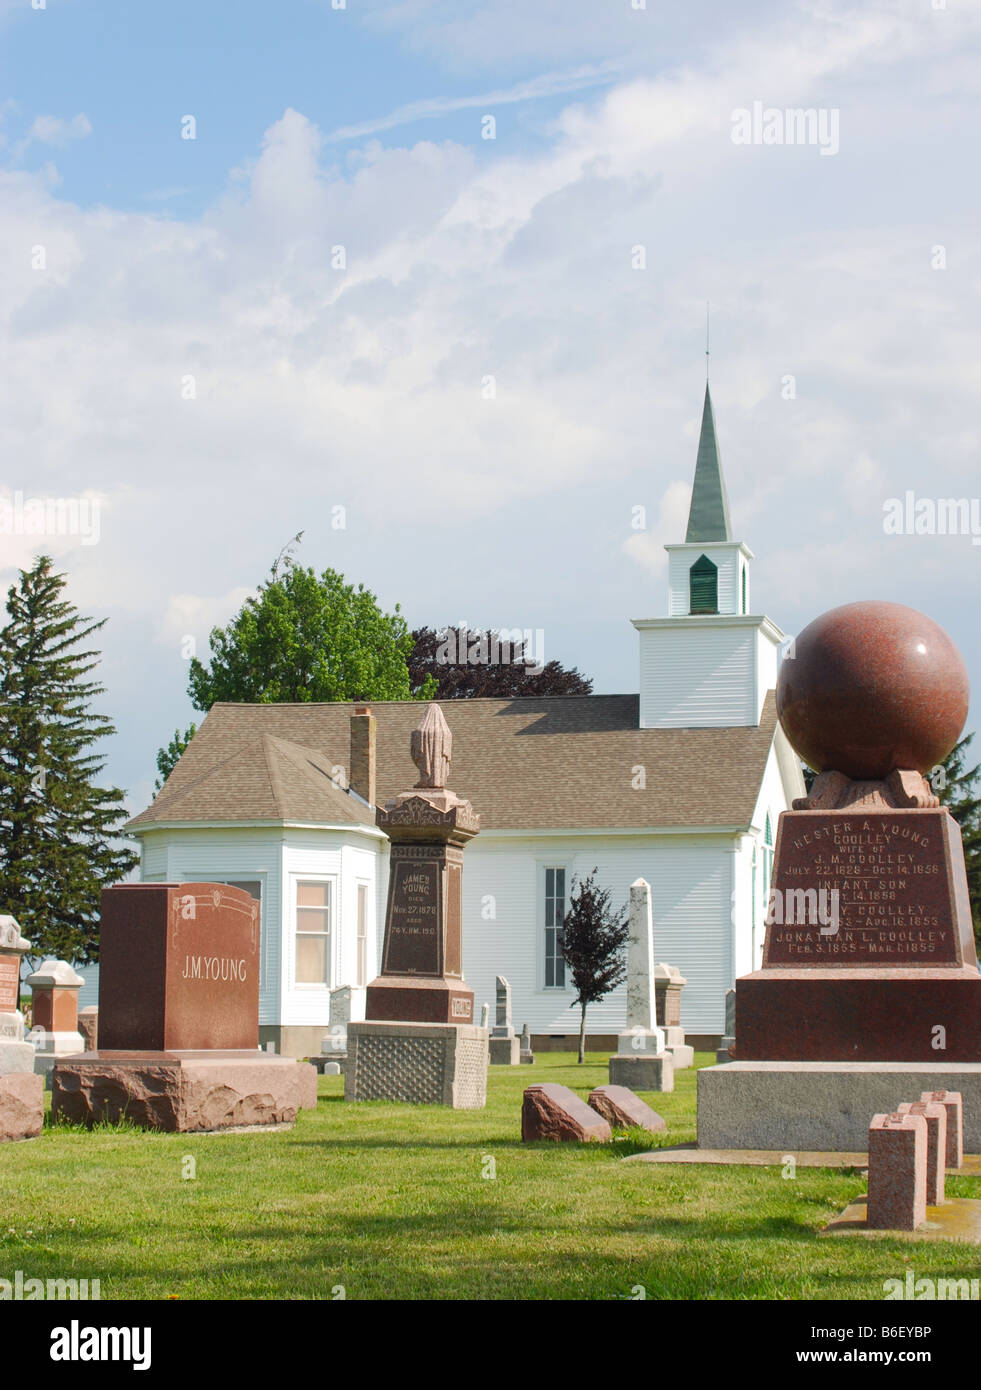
414,918
887,879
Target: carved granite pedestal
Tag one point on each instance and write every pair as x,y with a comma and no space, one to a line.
421,1063
419,1042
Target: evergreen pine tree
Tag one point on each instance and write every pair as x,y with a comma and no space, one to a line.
58,831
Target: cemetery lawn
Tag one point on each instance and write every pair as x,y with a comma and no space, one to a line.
413,1202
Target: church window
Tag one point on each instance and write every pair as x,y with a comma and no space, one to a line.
555,910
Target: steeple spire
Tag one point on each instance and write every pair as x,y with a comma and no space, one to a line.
708,519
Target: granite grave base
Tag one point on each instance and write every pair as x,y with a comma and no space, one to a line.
182,1091
419,1063
821,1105
643,1073
505,1052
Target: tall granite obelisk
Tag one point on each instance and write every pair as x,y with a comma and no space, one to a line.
641,1061
418,1041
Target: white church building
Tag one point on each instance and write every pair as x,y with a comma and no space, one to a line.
680,784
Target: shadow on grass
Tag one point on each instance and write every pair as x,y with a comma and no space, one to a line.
290,1260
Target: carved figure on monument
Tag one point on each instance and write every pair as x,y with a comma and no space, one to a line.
431,747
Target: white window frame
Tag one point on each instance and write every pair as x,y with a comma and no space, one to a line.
549,862
236,882
333,880
364,883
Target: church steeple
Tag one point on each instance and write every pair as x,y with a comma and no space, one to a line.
710,662
708,573
708,517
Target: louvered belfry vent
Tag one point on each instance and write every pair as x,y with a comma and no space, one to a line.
704,586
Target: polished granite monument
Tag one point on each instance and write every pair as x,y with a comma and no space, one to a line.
179,1018
419,1042
869,989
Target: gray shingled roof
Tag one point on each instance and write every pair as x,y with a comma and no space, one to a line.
562,762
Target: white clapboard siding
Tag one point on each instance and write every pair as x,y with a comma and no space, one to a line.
201,854
343,860
153,859
691,881
729,560
698,676
767,661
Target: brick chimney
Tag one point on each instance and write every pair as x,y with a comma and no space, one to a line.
363,727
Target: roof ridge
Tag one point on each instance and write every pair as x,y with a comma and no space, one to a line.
275,780
462,700
302,758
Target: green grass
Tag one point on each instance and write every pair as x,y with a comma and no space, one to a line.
389,1201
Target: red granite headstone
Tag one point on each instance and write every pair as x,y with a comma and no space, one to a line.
935,1115
551,1111
897,1172
179,967
954,1106
622,1109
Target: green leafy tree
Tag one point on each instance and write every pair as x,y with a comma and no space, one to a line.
167,758
956,785
594,939
59,831
307,637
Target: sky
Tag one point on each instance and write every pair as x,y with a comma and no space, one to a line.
428,282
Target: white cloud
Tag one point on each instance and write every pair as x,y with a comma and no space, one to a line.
225,382
646,545
548,85
55,131
194,616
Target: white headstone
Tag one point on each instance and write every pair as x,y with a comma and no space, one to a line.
642,1034
503,1027
340,1005
340,1016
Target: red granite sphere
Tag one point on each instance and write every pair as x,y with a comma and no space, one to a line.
871,687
